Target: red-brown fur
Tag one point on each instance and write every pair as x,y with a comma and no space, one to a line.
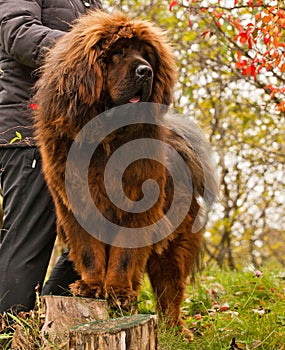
84,75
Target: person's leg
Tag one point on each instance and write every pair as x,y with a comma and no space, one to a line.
28,231
62,275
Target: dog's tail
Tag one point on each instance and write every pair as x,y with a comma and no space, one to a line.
186,138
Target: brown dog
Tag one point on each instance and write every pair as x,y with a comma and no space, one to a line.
109,60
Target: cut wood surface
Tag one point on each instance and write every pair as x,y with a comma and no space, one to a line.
137,332
61,313
82,323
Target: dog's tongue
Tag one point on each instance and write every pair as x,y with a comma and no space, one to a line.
135,99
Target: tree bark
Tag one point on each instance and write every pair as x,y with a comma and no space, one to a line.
137,332
62,313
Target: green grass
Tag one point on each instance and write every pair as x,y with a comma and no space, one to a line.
223,305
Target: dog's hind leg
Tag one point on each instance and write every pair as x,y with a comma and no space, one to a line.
168,274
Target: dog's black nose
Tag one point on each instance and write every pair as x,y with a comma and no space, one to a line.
143,71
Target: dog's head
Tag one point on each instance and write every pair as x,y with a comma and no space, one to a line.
107,60
130,73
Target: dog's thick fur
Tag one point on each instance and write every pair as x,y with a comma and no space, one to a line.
109,60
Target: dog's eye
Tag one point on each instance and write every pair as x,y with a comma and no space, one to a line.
119,53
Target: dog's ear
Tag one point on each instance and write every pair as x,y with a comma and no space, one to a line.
72,78
162,59
81,77
165,72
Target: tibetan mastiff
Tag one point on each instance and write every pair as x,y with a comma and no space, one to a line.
107,61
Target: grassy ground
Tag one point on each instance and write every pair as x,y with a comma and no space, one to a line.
226,308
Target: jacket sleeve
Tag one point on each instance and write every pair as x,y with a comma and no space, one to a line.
97,4
22,35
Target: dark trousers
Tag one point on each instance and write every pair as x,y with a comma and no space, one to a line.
28,231
61,276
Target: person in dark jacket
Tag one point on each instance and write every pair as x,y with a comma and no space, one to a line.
27,30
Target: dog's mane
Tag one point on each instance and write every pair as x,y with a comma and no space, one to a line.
72,81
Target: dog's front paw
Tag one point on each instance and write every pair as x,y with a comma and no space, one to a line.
81,288
125,299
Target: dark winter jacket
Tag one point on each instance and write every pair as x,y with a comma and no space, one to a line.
27,29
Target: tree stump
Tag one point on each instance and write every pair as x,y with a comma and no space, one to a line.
61,313
136,332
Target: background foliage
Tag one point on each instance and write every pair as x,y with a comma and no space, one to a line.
230,57
231,64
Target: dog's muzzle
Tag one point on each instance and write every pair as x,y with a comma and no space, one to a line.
143,72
